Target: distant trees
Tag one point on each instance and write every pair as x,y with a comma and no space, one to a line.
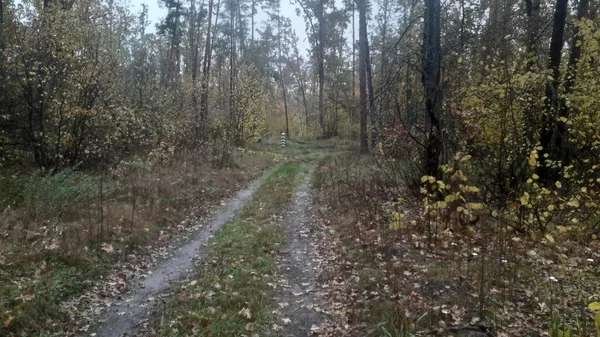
92,83
501,80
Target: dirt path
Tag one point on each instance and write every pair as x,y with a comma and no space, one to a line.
295,295
127,315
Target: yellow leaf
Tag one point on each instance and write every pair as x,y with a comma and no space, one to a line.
550,238
475,205
594,306
440,204
525,199
450,198
535,176
550,208
460,60
424,179
558,184
431,179
533,159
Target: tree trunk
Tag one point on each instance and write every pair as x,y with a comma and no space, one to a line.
253,9
282,78
321,62
232,76
431,60
194,41
562,137
206,73
353,52
1,51
372,108
384,101
549,118
362,72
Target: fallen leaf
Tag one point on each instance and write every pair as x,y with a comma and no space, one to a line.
107,247
594,306
245,312
249,326
8,320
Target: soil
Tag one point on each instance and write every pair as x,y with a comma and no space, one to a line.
295,297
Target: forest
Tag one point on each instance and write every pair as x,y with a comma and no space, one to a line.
440,174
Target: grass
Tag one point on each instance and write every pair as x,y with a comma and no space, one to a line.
230,296
53,226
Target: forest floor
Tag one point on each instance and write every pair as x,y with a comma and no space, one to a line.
304,250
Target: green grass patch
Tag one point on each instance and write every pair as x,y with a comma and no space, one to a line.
230,296
30,293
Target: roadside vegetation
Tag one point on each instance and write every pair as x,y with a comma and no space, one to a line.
63,229
462,262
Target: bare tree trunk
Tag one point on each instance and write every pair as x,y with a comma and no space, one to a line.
253,9
353,53
1,46
372,108
240,29
431,83
232,76
206,72
362,71
321,63
282,78
549,118
384,102
194,41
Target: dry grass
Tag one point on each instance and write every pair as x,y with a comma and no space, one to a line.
48,254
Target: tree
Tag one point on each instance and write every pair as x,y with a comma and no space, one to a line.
431,59
362,72
549,128
206,71
281,75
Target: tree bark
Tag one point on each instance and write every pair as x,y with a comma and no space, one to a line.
206,73
232,77
353,52
372,107
431,60
282,78
549,118
362,72
321,62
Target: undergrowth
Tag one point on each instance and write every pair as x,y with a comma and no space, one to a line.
60,230
431,264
